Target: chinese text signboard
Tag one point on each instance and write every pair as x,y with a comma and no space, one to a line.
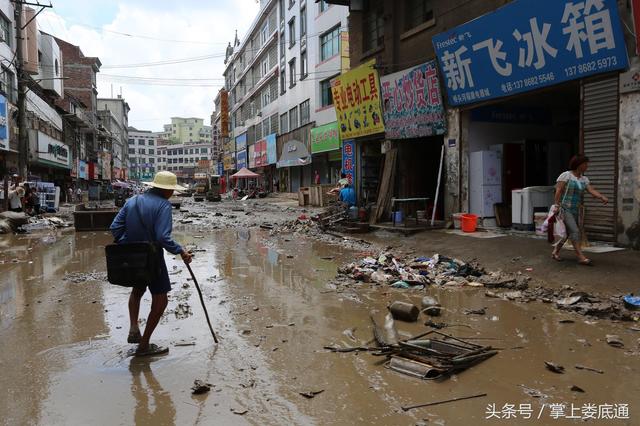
349,160
224,113
241,159
4,134
527,45
325,138
241,142
412,103
252,155
356,98
261,152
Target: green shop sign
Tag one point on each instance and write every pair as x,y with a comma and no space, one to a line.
325,138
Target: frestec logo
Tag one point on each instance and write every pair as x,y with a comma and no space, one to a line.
58,151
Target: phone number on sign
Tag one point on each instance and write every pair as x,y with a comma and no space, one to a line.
587,67
528,82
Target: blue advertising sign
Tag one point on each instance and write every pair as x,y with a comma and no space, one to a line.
241,142
241,159
349,160
272,151
527,45
220,168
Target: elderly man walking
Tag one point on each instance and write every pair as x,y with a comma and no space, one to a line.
147,217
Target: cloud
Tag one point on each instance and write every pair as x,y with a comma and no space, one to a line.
208,25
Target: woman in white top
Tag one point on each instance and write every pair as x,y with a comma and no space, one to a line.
15,199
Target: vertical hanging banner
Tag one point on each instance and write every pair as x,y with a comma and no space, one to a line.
412,103
345,59
527,45
224,113
349,160
4,133
356,98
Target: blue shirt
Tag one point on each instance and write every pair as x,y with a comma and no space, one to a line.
156,215
348,196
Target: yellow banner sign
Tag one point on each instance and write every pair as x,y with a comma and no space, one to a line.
356,97
228,162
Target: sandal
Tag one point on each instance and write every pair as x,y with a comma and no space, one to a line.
556,257
152,349
134,337
586,262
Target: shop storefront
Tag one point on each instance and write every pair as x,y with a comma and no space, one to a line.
325,151
259,160
356,96
294,159
414,122
50,159
511,133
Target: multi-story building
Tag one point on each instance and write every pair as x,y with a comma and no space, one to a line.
187,130
117,112
8,92
143,153
278,80
185,159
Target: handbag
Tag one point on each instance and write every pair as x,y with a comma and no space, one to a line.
135,264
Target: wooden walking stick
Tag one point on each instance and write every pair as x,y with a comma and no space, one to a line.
206,314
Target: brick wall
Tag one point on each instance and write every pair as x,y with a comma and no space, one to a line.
80,74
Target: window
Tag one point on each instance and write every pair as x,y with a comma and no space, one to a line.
326,93
151,142
373,21
132,151
266,97
283,82
416,13
330,44
323,6
5,30
292,32
304,65
303,22
6,84
264,66
131,141
140,141
151,151
151,159
305,114
264,33
284,123
281,7
292,72
141,151
293,118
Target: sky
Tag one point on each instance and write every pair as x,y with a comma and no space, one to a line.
157,30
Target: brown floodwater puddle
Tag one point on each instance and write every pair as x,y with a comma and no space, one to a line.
64,351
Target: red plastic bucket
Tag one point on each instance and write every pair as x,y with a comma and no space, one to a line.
469,222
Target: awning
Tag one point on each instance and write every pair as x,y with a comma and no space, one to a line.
245,173
294,153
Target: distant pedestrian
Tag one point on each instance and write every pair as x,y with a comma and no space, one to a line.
15,199
70,195
79,194
223,185
347,196
316,178
147,217
570,188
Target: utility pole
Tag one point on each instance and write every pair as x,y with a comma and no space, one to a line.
23,137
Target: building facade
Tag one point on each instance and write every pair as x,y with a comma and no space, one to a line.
519,102
114,114
187,130
142,154
275,79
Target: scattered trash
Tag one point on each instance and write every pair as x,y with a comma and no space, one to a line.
311,394
404,311
429,404
556,368
535,393
575,388
199,387
81,277
631,302
239,411
582,367
481,311
615,341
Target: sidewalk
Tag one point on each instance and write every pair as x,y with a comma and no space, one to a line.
615,273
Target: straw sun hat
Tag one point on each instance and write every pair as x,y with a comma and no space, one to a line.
165,180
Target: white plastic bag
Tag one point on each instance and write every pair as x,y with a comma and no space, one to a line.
559,229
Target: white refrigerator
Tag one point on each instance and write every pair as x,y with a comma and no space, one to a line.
485,182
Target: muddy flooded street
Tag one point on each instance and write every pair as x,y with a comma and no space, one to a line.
65,360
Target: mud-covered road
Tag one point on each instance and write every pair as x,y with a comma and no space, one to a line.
64,357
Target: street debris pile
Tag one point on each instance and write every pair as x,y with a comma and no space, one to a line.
306,226
431,355
19,222
418,273
82,277
387,269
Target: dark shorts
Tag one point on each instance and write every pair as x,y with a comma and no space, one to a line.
162,285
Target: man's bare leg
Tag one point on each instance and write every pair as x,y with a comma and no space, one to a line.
134,310
158,305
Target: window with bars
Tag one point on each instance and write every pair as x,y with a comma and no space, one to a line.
305,113
5,30
273,124
293,118
417,12
292,32
303,22
292,73
283,82
373,21
284,123
7,84
330,43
